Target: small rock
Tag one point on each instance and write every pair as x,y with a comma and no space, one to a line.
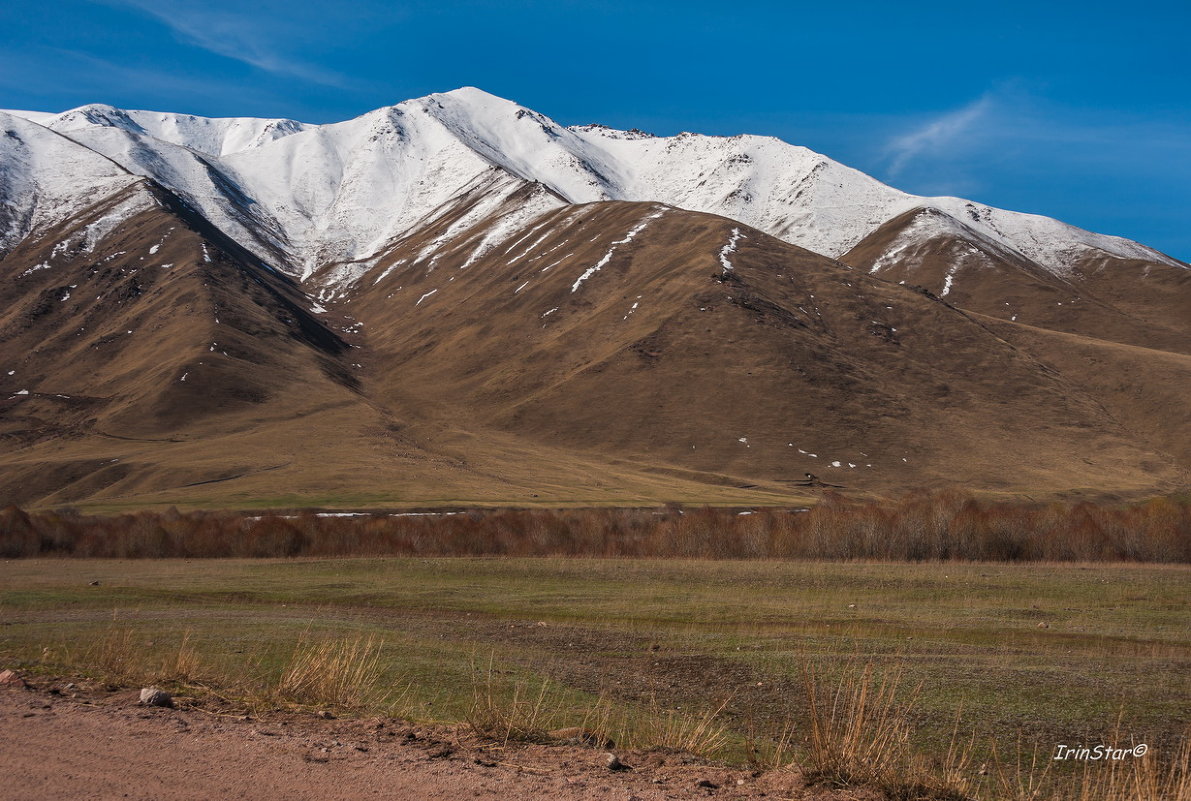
152,696
325,715
93,584
614,763
1044,625
708,783
11,678
851,606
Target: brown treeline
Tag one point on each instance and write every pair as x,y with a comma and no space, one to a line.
937,526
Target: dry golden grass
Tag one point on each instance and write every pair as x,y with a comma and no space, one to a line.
504,717
859,729
699,733
343,673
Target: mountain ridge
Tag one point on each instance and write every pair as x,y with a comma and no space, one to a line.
457,300
786,190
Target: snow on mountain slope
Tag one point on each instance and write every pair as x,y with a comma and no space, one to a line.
790,192
527,144
214,136
809,200
910,247
198,179
347,192
344,191
45,178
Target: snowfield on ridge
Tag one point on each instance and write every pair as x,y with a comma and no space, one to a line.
308,197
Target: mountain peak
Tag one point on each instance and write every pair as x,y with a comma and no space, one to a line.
344,190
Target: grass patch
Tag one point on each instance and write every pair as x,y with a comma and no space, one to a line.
707,656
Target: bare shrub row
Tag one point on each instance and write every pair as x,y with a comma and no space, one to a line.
918,527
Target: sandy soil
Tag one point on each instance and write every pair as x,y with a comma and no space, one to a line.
63,741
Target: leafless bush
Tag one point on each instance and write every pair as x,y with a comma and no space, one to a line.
918,527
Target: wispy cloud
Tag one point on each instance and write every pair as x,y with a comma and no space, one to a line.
232,35
937,135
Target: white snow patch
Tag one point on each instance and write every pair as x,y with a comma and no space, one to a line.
183,378
125,209
45,265
523,286
153,250
590,271
730,248
428,294
836,464
508,225
388,270
532,247
948,280
544,314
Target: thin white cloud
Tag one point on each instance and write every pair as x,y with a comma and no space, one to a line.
231,35
937,135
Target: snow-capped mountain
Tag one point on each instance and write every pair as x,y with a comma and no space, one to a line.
309,196
457,297
45,178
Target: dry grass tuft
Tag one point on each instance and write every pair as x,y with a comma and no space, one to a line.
859,731
338,672
116,654
701,734
516,716
860,734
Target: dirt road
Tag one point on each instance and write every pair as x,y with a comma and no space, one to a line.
64,742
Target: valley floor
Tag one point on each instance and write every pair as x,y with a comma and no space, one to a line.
711,657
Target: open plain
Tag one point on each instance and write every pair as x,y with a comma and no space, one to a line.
1002,662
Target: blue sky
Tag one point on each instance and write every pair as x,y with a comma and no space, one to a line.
1080,111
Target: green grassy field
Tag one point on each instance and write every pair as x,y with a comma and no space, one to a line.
1024,656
